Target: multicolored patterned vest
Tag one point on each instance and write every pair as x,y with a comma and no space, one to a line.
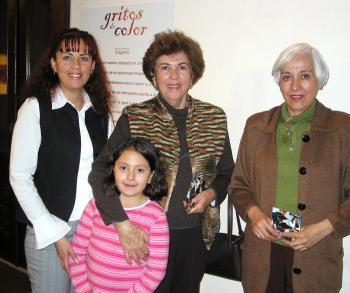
205,132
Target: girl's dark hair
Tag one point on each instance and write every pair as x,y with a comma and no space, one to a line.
43,79
157,188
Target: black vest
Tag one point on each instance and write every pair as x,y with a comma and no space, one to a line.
59,154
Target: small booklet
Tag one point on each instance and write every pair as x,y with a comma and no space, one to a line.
197,186
285,221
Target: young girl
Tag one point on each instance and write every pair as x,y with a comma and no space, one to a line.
135,174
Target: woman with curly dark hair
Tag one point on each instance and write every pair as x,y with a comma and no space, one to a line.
196,156
60,129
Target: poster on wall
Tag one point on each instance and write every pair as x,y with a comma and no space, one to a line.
124,32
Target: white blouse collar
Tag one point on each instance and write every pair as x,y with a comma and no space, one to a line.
59,99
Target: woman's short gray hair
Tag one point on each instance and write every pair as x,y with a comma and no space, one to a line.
320,66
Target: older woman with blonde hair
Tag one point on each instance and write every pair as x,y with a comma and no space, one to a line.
294,158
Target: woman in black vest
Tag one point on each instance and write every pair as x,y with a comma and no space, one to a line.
60,129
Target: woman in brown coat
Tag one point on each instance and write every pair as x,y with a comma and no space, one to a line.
295,157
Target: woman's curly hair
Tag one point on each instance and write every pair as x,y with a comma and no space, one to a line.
170,42
43,79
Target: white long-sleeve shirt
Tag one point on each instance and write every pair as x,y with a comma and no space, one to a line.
25,145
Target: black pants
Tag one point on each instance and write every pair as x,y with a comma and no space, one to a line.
281,266
186,262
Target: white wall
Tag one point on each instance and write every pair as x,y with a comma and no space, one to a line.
241,40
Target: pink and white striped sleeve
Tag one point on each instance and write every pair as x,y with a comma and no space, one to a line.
80,244
158,257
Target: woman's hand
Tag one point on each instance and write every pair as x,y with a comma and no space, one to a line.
308,236
134,242
261,224
64,250
200,202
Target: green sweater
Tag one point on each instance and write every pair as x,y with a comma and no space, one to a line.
289,134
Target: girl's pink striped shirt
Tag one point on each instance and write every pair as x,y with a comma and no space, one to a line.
102,266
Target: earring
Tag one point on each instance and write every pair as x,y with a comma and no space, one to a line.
54,72
155,83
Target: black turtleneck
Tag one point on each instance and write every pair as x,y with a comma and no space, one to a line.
176,214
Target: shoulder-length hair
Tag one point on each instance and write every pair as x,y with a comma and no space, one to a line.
43,79
157,188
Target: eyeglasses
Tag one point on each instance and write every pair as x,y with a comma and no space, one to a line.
289,138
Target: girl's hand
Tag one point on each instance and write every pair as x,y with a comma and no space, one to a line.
261,224
200,202
308,236
64,250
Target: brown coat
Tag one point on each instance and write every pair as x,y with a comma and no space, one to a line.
324,189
